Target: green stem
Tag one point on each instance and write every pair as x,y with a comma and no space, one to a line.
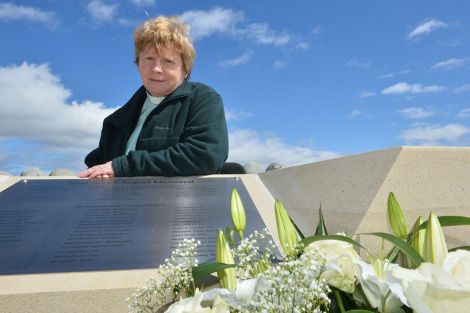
340,302
240,233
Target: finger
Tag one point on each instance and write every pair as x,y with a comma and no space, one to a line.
86,173
95,174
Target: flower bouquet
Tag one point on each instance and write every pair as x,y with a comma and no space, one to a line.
320,273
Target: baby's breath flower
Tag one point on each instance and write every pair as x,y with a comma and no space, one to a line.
176,280
295,287
254,254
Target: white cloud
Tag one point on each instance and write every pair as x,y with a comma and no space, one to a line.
129,22
462,88
224,21
279,65
393,74
303,45
366,94
143,2
416,112
426,27
434,134
465,113
236,115
250,146
403,87
449,64
262,34
359,62
354,114
244,58
46,117
316,31
12,12
207,23
101,12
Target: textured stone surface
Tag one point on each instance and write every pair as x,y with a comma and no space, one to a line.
353,191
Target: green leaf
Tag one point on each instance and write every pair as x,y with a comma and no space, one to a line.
449,221
205,269
460,248
393,254
360,311
311,239
321,228
408,250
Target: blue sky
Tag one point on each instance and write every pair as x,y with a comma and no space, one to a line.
302,81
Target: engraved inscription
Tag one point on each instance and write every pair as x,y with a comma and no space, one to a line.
51,226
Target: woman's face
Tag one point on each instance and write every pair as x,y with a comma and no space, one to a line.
161,73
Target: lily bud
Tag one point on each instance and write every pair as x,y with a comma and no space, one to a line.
285,229
435,247
396,217
238,213
227,276
417,240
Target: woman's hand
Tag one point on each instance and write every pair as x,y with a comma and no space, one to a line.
98,171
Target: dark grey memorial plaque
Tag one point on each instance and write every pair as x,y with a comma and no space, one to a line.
49,226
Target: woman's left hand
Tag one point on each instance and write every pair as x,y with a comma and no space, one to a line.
98,171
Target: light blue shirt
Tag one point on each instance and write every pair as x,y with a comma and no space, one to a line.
149,105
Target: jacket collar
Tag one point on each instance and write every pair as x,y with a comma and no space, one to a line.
126,117
183,90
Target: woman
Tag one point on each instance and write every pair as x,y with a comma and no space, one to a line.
170,126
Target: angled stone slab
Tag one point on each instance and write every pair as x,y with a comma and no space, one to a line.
101,289
353,190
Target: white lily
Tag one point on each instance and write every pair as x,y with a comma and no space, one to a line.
417,240
285,229
435,247
237,211
227,276
189,305
431,288
220,306
242,295
383,291
340,270
396,217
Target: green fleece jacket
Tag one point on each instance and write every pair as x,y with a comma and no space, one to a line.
185,135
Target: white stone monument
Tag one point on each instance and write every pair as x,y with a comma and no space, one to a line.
353,193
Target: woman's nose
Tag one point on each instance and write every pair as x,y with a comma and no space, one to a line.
157,67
